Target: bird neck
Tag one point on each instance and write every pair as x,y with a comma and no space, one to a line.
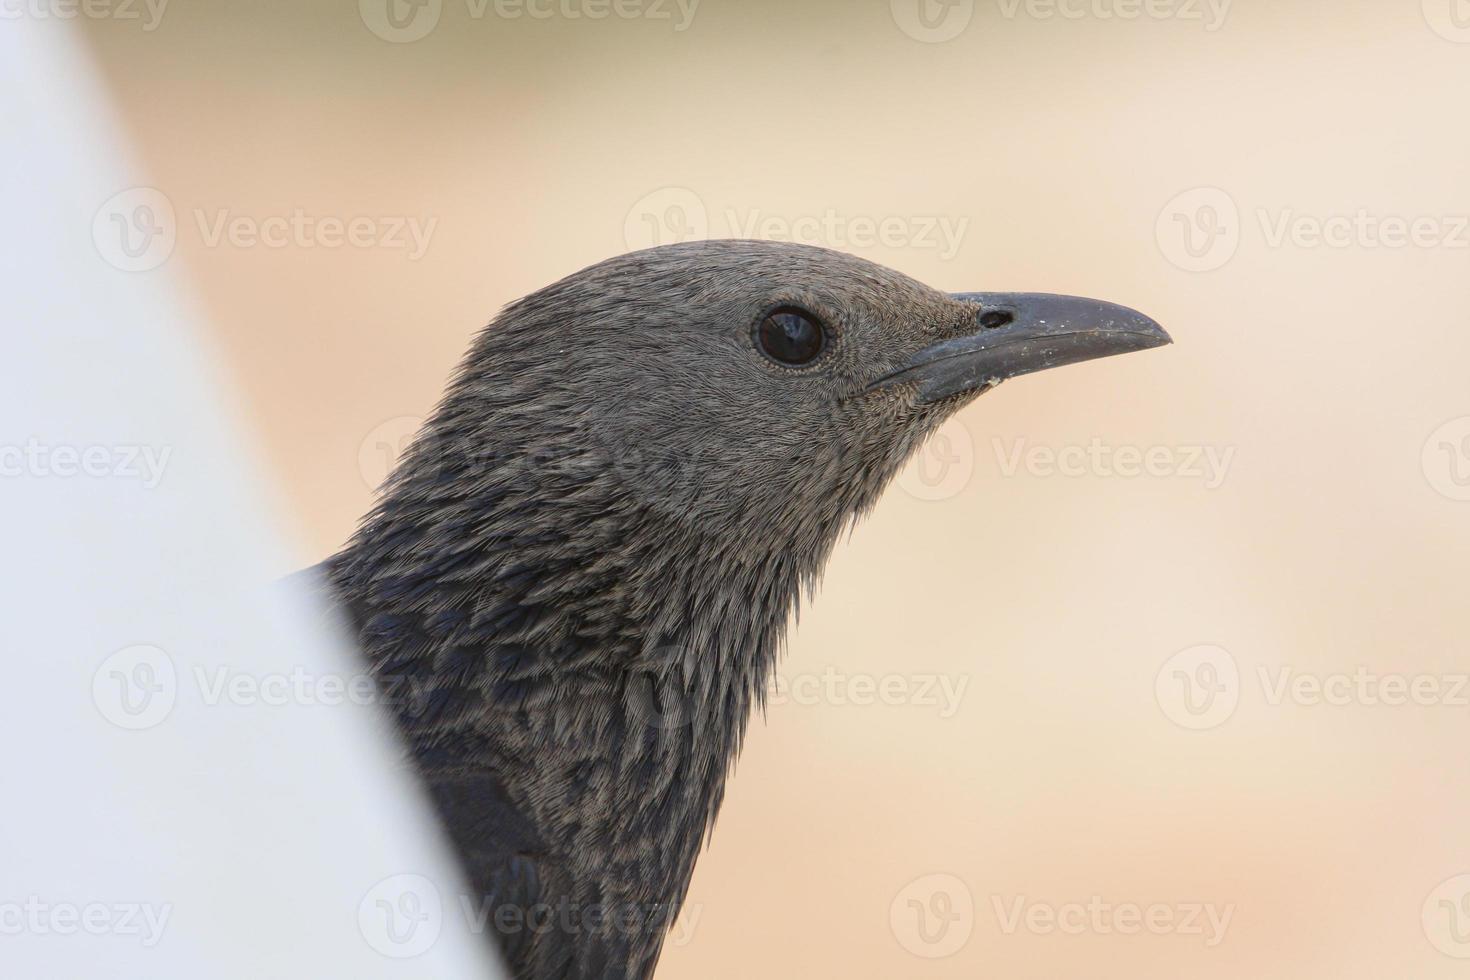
550,622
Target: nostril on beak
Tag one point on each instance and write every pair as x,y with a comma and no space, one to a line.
996,318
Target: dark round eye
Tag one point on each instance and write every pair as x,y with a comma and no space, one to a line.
791,335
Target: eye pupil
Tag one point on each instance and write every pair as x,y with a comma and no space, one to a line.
791,336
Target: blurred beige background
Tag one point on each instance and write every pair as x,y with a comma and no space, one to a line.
1129,660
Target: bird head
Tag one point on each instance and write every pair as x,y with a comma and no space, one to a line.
758,392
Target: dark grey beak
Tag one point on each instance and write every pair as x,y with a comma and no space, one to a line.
1020,333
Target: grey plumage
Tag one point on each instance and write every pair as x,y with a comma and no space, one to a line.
576,583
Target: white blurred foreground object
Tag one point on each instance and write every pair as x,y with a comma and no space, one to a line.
195,782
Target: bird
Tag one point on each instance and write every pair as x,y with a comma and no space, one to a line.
574,586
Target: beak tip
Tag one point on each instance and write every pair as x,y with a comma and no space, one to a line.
1159,335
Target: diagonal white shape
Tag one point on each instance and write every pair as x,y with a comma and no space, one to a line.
149,829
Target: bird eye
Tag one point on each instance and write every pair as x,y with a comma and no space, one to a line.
791,336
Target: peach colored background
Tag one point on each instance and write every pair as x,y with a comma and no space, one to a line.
1055,599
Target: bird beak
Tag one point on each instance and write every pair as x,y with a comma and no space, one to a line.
1020,333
